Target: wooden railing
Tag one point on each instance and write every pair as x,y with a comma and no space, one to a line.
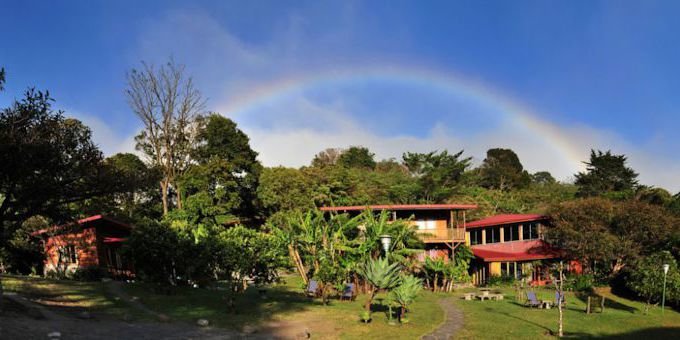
442,235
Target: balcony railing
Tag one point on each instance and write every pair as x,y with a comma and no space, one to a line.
442,235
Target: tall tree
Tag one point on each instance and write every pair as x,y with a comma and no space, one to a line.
327,157
167,102
222,146
605,173
48,161
437,173
357,157
284,189
502,170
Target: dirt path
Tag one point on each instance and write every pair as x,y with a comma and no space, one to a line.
452,323
30,320
25,319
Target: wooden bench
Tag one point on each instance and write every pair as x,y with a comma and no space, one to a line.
595,302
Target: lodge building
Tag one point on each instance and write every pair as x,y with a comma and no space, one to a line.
503,245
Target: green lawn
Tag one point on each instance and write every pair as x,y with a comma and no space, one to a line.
622,318
286,307
66,295
287,312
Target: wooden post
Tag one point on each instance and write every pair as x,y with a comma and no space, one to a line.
588,306
602,304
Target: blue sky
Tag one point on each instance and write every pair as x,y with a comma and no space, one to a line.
598,74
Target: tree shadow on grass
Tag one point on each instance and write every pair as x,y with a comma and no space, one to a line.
647,333
608,303
491,310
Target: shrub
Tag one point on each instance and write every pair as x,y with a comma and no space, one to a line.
580,283
89,273
153,248
500,280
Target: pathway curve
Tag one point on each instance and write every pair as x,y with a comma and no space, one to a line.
453,321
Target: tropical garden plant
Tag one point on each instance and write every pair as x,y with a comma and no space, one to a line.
380,274
406,293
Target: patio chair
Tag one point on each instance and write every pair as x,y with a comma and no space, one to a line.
532,301
559,299
312,289
348,292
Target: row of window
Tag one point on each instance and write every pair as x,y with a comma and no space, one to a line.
513,269
510,233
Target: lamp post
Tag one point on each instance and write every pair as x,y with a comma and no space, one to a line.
663,297
386,240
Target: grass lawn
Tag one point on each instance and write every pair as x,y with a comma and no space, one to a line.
622,318
68,296
287,310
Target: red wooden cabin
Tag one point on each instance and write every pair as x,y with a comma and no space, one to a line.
92,242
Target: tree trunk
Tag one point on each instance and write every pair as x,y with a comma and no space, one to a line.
559,288
436,278
179,197
164,196
371,295
298,263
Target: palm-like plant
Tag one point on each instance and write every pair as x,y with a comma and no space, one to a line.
434,268
406,293
381,275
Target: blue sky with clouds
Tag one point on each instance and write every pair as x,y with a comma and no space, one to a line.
598,74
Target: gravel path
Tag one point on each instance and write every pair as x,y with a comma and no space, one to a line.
452,322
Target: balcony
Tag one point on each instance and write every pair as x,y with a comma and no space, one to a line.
442,235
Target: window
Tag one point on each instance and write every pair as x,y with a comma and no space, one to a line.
511,269
68,254
475,236
511,233
530,231
426,225
493,235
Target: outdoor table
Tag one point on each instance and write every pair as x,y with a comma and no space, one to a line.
547,304
469,296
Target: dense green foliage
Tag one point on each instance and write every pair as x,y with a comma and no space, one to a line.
502,170
357,157
437,174
648,278
607,236
606,173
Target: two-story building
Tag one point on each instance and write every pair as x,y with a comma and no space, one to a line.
503,245
441,226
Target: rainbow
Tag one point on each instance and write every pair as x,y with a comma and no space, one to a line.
512,110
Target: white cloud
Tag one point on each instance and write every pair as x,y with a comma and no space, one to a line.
227,68
109,140
296,146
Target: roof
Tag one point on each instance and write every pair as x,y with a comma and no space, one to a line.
505,219
91,221
515,251
402,207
